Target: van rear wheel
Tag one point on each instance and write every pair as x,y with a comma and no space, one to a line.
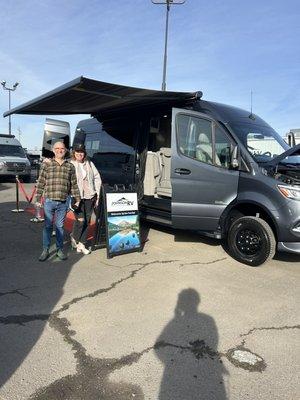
251,241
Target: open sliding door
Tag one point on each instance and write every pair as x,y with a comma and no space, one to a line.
203,183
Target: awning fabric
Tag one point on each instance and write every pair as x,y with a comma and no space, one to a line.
88,96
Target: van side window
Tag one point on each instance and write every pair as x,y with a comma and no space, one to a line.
195,137
223,148
88,144
203,140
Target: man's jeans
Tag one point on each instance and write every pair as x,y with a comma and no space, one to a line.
55,212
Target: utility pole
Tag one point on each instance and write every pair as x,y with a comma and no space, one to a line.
168,3
12,89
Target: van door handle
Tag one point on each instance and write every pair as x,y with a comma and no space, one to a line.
182,171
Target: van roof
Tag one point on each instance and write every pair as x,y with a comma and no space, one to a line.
10,140
88,96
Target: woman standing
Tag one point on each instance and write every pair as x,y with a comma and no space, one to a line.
89,183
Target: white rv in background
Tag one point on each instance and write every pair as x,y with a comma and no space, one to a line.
13,159
55,131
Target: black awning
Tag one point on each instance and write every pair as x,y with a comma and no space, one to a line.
88,96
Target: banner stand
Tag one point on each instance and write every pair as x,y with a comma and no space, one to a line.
100,234
117,221
17,209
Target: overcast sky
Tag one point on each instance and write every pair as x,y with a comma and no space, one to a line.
224,48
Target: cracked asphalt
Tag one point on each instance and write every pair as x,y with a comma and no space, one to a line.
169,323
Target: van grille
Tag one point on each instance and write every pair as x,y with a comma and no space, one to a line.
15,166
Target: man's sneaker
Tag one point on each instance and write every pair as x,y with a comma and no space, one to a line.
44,255
61,255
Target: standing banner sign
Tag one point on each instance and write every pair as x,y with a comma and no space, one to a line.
122,223
117,221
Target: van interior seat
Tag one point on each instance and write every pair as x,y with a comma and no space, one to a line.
225,157
152,173
164,187
204,150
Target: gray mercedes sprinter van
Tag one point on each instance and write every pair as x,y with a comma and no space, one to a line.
207,167
197,165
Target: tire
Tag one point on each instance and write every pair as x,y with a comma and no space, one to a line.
251,241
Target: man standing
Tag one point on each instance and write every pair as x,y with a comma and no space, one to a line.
56,182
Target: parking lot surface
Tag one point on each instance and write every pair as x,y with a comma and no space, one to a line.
181,320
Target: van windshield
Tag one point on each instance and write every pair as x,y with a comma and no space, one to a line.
7,150
262,142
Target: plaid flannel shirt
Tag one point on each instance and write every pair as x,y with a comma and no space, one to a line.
57,182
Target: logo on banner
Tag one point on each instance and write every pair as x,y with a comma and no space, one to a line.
122,202
118,202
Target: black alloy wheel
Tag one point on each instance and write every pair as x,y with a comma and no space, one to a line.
251,241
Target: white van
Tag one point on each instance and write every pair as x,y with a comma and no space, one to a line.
13,159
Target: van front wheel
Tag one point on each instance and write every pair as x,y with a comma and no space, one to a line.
251,241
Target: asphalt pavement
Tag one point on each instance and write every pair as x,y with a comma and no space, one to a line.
180,320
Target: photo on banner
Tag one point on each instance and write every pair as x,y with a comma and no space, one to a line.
123,228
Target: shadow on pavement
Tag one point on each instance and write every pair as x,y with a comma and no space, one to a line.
194,237
180,235
288,257
3,186
144,233
190,335
29,289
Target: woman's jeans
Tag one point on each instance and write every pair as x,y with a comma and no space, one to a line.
82,219
55,212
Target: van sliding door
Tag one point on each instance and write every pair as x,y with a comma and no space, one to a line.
202,182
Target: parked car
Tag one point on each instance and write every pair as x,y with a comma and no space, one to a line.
34,159
13,159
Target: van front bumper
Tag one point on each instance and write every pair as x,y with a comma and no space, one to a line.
289,247
8,169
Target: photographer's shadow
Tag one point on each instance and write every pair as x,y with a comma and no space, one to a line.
188,349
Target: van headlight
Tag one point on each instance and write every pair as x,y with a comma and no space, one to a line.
290,192
2,165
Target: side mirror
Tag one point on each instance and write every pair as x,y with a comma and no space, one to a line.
234,158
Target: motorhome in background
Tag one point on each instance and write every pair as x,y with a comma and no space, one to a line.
110,147
13,159
55,131
105,147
